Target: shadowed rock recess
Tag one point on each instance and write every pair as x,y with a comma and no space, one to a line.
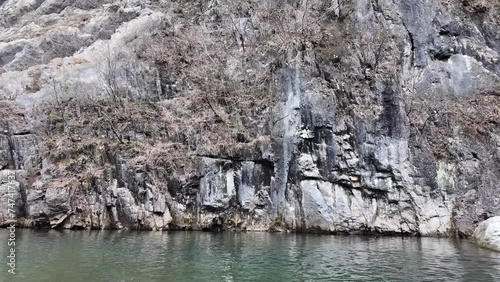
336,116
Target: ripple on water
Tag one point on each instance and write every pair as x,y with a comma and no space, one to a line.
196,256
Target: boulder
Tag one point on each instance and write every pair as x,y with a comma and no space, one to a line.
487,234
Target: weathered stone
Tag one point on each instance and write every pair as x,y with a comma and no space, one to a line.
10,191
487,233
377,134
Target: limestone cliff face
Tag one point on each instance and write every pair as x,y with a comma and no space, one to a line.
379,116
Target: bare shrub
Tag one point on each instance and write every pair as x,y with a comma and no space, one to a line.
439,117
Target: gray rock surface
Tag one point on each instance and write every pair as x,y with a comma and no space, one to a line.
487,233
10,191
385,117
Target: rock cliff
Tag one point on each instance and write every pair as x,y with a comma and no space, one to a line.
307,115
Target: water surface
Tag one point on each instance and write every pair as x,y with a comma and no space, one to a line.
195,256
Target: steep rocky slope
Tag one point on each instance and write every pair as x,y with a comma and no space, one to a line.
325,116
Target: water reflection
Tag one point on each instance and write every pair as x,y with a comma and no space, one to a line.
195,256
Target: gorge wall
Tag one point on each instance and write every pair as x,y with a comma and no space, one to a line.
368,116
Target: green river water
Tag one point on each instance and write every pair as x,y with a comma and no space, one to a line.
196,256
